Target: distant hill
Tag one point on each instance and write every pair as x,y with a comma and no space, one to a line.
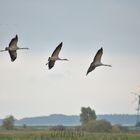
1,121
55,119
123,119
73,120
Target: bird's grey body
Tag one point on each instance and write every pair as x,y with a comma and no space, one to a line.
55,56
12,49
97,61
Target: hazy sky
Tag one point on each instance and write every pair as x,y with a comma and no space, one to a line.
28,88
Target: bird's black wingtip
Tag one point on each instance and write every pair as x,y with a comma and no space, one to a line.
16,37
49,68
12,60
61,43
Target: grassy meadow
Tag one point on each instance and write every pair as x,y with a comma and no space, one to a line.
30,134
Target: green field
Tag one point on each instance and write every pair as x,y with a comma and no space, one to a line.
64,135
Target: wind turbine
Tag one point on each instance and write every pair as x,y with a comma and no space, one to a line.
12,49
55,56
97,61
138,108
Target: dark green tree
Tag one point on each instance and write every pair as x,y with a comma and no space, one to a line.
8,122
87,114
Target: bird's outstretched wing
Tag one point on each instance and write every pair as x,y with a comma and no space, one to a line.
91,68
13,55
98,56
51,64
57,50
13,41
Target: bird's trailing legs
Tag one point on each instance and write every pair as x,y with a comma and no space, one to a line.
2,50
106,65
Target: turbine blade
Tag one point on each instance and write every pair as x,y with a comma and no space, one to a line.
134,93
134,100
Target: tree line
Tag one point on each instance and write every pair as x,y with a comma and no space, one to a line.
88,119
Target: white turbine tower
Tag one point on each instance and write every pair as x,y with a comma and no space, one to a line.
138,107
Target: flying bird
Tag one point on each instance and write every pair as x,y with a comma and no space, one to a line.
12,49
55,56
97,61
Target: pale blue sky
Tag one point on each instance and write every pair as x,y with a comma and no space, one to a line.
28,88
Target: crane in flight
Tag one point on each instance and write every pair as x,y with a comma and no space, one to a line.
97,61
55,56
12,49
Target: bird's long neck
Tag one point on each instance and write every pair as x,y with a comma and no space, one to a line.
6,49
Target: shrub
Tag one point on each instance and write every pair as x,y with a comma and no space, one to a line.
118,128
98,126
57,128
